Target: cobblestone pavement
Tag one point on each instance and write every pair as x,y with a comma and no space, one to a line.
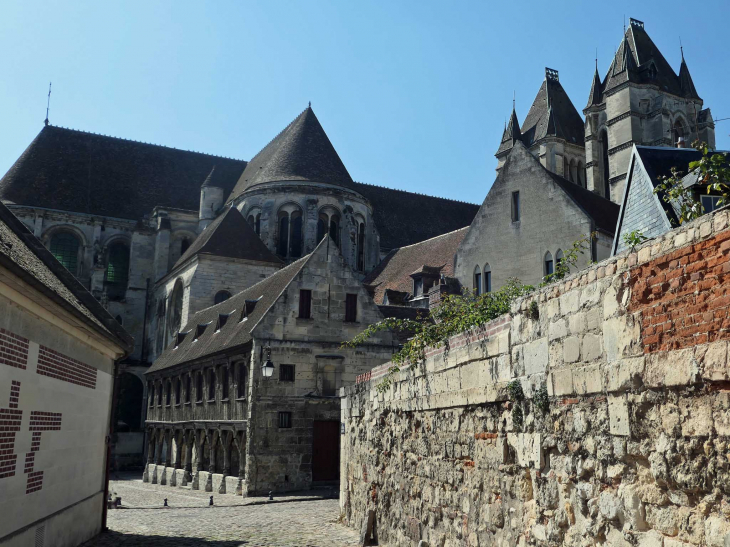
302,520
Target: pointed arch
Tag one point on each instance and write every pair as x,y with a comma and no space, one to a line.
487,278
548,264
477,280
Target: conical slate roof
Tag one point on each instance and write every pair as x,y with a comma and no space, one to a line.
563,122
685,81
639,60
230,236
511,133
595,95
301,152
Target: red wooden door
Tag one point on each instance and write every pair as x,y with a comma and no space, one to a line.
326,451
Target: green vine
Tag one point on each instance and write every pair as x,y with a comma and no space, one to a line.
570,259
542,401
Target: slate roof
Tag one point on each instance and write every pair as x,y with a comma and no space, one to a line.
633,59
595,97
394,271
24,255
230,236
553,102
301,152
405,218
235,332
95,174
511,133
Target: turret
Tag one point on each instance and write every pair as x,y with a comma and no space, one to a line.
211,201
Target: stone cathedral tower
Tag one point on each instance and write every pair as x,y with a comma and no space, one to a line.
640,101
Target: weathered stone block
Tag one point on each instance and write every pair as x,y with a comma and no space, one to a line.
527,448
588,380
536,356
591,347
696,414
677,368
571,349
557,329
561,382
624,374
618,415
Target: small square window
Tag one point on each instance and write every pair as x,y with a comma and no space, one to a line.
286,373
351,308
284,420
710,203
515,206
305,304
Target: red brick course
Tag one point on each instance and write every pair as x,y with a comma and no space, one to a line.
13,349
684,296
57,365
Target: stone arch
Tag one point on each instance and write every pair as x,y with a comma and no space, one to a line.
67,244
329,221
130,399
174,309
180,241
360,246
290,230
605,170
487,279
581,172
117,261
680,129
253,217
548,264
573,171
477,280
221,296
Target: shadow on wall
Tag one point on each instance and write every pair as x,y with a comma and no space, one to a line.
114,539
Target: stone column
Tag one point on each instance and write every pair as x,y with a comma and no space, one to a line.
176,460
197,467
211,464
188,475
167,436
240,446
150,456
226,447
158,457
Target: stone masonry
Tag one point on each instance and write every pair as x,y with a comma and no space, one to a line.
625,418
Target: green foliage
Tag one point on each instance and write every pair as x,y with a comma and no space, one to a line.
542,401
713,174
514,391
459,313
455,314
632,239
534,312
570,259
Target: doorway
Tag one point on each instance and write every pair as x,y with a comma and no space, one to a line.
326,451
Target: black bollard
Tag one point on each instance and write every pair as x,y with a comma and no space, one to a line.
211,501
271,496
166,502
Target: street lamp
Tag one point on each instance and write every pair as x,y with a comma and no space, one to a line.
267,369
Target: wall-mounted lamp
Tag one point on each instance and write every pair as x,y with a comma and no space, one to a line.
267,369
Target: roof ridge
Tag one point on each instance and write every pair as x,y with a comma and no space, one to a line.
432,238
414,193
280,132
142,142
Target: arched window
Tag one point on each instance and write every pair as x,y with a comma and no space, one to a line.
221,296
117,270
605,174
65,247
178,389
573,172
188,388
184,245
566,168
160,340
129,402
361,246
678,131
254,220
224,383
242,378
328,223
558,257
581,174
477,281
549,266
174,315
487,278
290,232
199,387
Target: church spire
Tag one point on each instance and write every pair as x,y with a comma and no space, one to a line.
595,95
685,80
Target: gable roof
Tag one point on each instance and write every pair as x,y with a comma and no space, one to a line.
235,332
25,256
302,152
94,174
405,218
394,271
633,60
552,114
602,211
230,236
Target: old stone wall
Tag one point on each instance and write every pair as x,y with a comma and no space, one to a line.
621,434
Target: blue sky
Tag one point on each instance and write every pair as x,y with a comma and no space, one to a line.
412,94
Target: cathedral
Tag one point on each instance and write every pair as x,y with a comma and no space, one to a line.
239,279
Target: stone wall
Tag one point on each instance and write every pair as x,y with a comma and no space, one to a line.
621,437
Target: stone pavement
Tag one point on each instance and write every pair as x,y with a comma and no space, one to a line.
306,520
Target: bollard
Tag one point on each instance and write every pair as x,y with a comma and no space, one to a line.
166,503
271,496
118,501
211,501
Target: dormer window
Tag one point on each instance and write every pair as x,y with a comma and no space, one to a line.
222,320
248,308
179,338
199,330
417,286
